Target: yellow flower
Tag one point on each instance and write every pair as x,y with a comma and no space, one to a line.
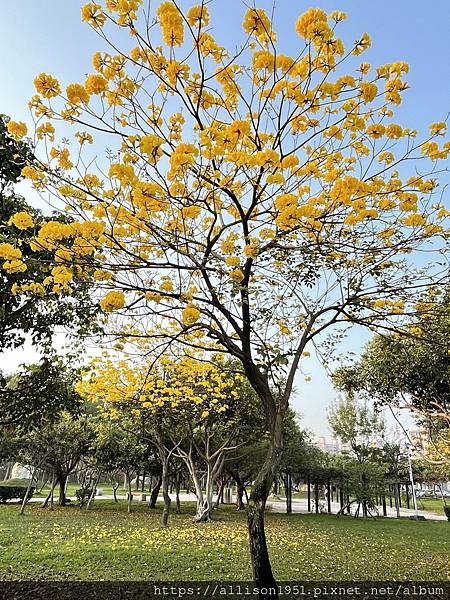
376,130
112,301
166,285
251,250
77,94
414,220
45,130
438,128
83,137
198,16
17,130
47,86
101,275
8,252
14,266
237,275
394,131
312,24
171,24
62,275
153,296
205,414
368,91
95,84
151,146
257,23
232,261
92,13
362,44
21,220
190,314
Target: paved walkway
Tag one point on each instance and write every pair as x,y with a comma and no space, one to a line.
301,506
279,506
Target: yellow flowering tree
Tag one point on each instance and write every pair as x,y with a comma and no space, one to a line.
188,408
250,199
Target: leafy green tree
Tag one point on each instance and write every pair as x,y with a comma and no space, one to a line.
354,423
37,393
59,447
26,306
120,447
411,370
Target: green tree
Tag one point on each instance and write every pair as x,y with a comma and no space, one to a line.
410,369
59,447
24,308
38,393
119,446
354,423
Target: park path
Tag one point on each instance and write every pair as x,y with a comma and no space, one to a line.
279,506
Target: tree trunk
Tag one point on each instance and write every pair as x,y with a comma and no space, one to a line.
62,490
397,502
92,494
275,488
115,487
329,497
27,493
155,492
262,569
288,491
50,494
240,494
130,495
177,492
165,491
316,497
205,506
220,490
308,485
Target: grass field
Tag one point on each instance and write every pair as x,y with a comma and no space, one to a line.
107,543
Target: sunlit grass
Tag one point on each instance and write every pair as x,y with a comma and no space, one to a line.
107,543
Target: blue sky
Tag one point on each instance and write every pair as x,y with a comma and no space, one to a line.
47,35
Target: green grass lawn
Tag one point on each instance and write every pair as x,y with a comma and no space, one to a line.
107,543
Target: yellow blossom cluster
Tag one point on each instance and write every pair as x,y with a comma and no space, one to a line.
171,24
114,300
17,130
21,220
12,257
257,23
232,164
203,388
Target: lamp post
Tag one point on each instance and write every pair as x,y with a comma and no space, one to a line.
411,478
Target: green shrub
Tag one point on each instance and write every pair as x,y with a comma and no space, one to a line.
83,495
11,492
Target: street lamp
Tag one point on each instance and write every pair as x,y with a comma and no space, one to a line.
411,478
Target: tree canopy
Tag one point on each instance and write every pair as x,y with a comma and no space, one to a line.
238,200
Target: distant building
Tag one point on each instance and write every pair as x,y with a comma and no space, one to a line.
330,444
